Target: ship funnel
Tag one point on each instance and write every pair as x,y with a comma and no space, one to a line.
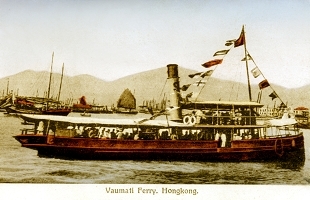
173,80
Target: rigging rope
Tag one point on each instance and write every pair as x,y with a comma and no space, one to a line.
246,57
209,77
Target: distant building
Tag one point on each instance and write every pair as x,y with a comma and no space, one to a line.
301,112
270,112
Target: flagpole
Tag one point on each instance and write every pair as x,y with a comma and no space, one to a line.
247,66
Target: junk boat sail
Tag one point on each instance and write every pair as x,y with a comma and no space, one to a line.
126,103
217,131
84,107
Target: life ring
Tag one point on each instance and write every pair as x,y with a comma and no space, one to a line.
186,119
193,120
277,147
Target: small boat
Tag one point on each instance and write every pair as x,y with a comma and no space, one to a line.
5,102
84,114
83,106
211,131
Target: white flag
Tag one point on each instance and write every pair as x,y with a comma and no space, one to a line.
255,72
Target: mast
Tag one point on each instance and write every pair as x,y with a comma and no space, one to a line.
49,84
62,74
7,87
246,64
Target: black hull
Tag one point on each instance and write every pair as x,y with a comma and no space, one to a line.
61,112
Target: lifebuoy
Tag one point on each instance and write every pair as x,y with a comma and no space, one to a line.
276,149
186,119
193,120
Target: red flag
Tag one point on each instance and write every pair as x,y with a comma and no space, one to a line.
263,84
212,63
241,40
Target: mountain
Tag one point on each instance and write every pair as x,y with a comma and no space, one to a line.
148,85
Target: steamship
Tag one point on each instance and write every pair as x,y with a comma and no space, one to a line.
211,131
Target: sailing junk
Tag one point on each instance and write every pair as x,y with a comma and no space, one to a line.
126,103
37,105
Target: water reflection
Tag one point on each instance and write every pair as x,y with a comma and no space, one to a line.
295,161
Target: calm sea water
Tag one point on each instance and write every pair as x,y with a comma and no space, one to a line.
22,165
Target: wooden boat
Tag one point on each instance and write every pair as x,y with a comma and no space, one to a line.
84,114
213,132
59,111
126,103
38,105
6,101
83,106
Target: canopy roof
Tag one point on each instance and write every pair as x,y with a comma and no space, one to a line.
222,105
105,122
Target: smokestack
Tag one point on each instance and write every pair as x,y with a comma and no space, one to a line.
173,80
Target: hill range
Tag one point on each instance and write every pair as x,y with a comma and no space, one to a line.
148,85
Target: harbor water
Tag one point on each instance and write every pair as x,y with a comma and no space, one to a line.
22,165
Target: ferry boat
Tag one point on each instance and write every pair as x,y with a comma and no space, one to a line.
211,131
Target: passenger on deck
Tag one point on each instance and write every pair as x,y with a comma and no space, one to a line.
40,128
101,132
107,134
113,134
194,135
223,138
78,133
120,134
238,117
199,116
85,132
225,118
93,133
173,137
236,137
136,137
232,116
164,135
215,118
185,136
217,136
126,135
218,139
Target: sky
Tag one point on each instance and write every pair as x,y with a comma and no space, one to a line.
110,39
